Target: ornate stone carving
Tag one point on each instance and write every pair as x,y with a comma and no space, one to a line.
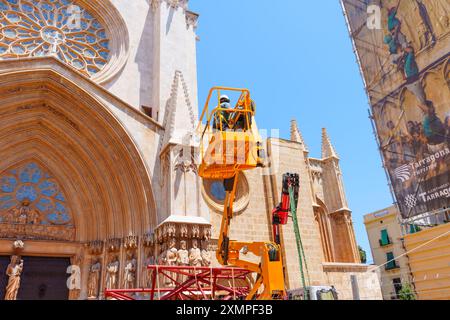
184,233
206,233
159,234
37,232
94,278
113,245
149,240
95,247
169,230
195,231
14,271
191,19
131,242
177,3
18,245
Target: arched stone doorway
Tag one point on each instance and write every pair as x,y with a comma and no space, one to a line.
50,123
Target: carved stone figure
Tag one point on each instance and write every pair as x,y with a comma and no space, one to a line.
195,255
24,214
14,272
130,273
182,258
207,233
171,258
206,255
184,231
34,217
148,273
112,271
93,280
183,254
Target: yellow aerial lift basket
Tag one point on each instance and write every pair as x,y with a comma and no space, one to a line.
229,137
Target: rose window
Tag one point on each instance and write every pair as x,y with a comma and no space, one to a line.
59,28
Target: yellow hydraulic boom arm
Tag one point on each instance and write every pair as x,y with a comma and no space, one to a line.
228,147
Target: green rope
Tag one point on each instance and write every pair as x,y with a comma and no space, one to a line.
300,249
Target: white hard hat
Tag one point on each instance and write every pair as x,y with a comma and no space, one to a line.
224,97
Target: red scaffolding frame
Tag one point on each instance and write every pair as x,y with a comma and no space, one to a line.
189,283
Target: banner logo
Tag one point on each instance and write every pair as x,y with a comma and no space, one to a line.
411,201
403,173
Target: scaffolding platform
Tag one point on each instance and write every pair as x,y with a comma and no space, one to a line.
189,283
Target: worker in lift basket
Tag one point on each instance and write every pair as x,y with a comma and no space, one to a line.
222,116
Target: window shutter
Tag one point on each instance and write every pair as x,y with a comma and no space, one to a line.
384,237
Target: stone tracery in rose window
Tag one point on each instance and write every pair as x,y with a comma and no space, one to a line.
60,28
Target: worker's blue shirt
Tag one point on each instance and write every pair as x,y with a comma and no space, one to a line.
225,105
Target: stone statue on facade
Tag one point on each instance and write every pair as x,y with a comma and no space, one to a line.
195,255
112,271
182,258
130,272
14,271
206,254
183,254
171,258
94,278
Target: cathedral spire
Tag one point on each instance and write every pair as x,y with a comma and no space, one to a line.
327,148
296,135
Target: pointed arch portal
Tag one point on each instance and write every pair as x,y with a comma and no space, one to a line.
65,156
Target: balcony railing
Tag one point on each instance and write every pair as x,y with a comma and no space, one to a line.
392,265
384,243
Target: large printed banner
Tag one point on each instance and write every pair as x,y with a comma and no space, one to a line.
403,50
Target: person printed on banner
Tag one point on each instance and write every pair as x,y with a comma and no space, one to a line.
393,147
416,139
435,133
396,40
447,129
411,75
433,128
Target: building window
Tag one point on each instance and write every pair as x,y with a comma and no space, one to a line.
218,190
148,111
397,282
384,241
391,263
214,193
30,195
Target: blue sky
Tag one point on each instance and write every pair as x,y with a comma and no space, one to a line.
296,58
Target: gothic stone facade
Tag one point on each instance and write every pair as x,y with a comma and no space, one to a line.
86,174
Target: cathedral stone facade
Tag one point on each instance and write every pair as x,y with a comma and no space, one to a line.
97,169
